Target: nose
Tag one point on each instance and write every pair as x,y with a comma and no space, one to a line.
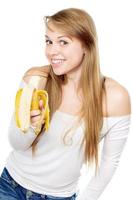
54,49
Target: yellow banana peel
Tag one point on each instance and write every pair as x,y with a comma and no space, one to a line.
27,99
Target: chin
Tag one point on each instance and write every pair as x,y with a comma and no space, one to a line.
59,73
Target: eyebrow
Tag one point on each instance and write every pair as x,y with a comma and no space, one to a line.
60,36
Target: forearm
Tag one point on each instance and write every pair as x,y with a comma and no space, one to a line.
98,183
18,139
113,146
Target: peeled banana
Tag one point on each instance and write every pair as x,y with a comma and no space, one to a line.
27,99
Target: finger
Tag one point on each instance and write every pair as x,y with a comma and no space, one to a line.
43,121
35,119
41,105
35,113
34,124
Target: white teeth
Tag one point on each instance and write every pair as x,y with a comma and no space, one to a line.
57,61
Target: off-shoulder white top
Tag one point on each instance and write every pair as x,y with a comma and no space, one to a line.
55,168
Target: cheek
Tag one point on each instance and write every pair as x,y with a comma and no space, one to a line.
46,52
76,56
76,50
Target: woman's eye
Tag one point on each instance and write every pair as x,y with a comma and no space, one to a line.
63,42
48,42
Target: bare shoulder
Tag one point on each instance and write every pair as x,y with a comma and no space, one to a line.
36,71
117,98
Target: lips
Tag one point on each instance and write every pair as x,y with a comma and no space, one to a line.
57,61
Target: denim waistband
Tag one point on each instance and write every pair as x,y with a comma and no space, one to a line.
28,193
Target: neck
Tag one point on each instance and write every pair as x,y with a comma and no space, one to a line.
74,78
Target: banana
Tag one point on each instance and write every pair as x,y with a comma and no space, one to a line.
27,99
17,104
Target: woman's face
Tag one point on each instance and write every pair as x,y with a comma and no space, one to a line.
63,52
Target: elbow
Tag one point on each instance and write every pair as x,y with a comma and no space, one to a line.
19,140
18,145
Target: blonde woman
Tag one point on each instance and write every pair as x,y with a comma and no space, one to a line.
85,108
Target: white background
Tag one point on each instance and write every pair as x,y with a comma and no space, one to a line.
22,46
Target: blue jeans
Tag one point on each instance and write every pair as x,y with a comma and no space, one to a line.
11,190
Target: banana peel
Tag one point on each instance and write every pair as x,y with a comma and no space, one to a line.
27,99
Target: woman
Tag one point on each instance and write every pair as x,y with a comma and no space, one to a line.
84,106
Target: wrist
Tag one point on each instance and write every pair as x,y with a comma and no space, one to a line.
36,128
33,127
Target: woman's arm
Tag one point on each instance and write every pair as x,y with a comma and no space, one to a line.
18,139
42,72
114,142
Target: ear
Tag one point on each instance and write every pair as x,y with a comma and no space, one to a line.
84,50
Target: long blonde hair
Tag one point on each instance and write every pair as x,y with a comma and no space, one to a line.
77,23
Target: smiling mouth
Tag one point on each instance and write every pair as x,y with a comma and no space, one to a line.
57,61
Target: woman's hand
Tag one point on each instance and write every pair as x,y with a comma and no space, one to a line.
35,115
